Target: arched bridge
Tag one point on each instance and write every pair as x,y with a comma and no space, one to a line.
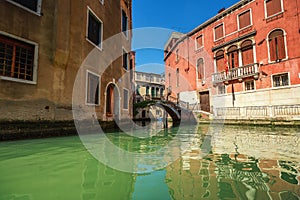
178,114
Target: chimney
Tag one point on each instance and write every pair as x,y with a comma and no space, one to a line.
221,10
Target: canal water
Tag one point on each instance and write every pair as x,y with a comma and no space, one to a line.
230,162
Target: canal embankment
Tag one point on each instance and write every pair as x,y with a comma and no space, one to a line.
18,130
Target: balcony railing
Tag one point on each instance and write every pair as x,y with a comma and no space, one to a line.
236,73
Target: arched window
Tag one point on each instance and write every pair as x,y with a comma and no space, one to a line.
220,61
233,57
247,52
200,68
276,45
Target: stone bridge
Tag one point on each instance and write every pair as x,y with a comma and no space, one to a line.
178,114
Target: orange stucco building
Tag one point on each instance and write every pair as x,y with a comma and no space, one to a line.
245,56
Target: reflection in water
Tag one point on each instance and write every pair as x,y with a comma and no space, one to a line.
242,163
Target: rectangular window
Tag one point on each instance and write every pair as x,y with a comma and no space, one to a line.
125,99
177,55
273,7
249,85
221,89
219,32
16,59
125,60
92,93
199,41
281,80
31,5
94,32
244,19
200,68
124,22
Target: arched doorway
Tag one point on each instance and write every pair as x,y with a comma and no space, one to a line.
112,101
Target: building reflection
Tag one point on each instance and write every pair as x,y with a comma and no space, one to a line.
231,171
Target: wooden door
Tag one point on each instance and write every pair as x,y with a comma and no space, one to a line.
204,101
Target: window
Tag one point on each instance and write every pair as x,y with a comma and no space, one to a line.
276,45
247,52
177,77
233,57
200,68
92,93
31,5
273,7
125,60
125,99
124,22
249,85
220,61
199,42
17,59
177,55
221,89
219,32
94,32
244,19
280,80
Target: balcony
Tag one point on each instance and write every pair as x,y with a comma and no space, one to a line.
236,74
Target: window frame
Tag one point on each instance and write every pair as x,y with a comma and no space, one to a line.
86,88
127,103
266,12
203,69
126,32
177,77
249,81
221,93
196,42
39,7
281,74
35,60
285,46
221,24
89,10
125,52
238,20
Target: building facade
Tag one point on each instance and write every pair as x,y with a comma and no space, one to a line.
149,86
242,62
42,47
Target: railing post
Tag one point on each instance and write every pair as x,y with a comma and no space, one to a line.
271,111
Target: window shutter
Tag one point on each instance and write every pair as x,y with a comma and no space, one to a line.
220,64
273,7
247,56
272,46
244,19
200,68
281,47
199,42
219,32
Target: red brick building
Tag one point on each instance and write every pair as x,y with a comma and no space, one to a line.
245,56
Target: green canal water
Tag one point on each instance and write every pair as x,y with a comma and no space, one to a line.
231,163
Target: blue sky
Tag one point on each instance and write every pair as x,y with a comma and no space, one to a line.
172,15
